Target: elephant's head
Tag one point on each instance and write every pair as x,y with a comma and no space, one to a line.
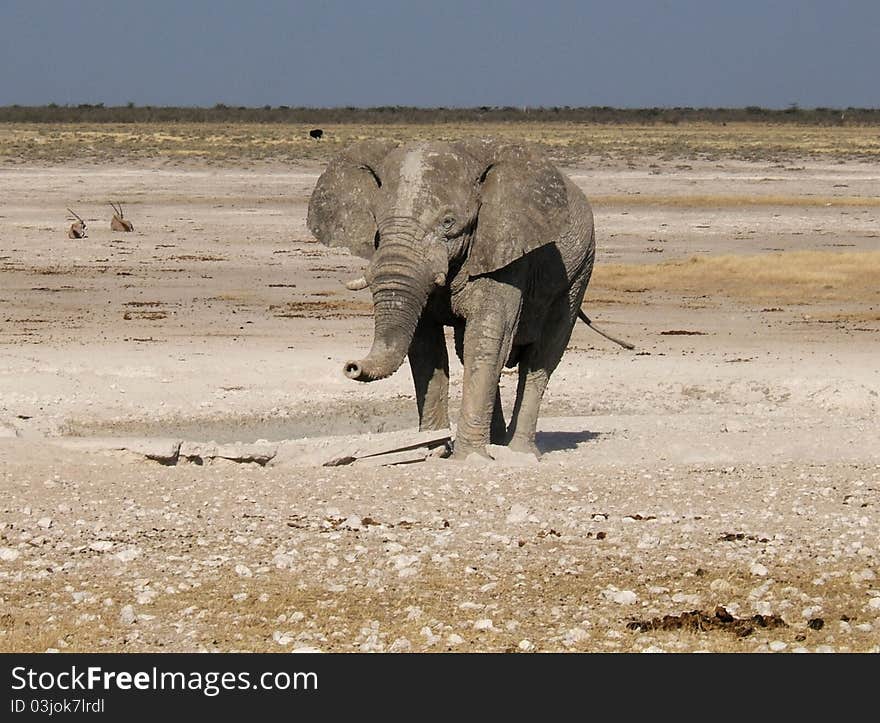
419,212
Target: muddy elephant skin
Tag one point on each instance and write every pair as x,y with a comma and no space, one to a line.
486,237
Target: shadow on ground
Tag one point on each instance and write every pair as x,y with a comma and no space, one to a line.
557,441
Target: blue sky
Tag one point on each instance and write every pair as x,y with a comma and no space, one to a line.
628,53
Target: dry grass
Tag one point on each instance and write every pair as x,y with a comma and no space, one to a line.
732,201
566,142
792,277
207,616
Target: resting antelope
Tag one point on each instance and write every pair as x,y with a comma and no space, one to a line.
119,222
78,229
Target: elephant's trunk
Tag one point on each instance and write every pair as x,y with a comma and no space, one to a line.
400,286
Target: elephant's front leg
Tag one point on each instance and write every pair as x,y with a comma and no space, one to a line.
498,428
488,337
429,364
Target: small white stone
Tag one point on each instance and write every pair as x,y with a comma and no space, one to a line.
146,597
282,561
101,546
402,562
8,554
353,523
128,555
483,624
777,646
624,597
240,596
653,649
574,636
692,600
127,615
526,645
648,542
455,639
243,571
758,569
874,603
429,635
306,649
400,645
517,515
764,607
811,611
414,612
282,638
44,522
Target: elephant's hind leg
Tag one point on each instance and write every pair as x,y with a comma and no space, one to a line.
535,367
524,421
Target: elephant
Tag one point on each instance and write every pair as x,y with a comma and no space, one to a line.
484,236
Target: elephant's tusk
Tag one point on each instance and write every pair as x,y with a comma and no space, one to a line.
356,284
440,279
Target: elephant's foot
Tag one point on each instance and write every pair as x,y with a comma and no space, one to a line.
507,457
524,446
472,454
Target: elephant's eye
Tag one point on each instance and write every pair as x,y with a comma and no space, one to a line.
448,222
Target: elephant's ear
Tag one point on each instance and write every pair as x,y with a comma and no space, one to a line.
339,210
523,206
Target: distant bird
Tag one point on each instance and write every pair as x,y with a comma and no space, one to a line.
316,133
119,222
77,229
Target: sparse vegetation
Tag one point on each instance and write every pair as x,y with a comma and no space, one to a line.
406,115
791,277
565,141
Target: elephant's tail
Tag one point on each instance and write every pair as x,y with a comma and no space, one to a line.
586,319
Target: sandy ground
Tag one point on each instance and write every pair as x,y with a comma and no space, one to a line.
735,465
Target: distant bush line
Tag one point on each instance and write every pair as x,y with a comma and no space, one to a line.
87,113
